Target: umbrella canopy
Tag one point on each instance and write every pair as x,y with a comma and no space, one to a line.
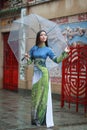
23,34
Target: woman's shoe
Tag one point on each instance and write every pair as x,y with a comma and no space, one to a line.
35,122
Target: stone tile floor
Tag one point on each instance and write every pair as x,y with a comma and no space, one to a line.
15,113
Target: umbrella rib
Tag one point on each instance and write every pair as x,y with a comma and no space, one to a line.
33,30
51,29
38,22
26,25
20,39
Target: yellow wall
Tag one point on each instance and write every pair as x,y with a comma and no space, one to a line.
59,8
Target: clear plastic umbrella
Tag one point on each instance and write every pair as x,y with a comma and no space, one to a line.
26,28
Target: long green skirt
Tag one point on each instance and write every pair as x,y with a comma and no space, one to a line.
41,98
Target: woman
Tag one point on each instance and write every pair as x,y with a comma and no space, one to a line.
41,93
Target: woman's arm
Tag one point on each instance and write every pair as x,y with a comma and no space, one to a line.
61,57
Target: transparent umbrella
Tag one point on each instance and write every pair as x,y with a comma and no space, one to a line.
23,33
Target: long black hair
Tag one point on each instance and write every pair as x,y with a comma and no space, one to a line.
38,38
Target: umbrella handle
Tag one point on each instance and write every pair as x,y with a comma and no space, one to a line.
25,56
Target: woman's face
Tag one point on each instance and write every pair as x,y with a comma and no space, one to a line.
43,37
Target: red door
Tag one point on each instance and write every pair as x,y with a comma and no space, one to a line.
10,67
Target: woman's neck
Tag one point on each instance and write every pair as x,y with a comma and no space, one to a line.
42,44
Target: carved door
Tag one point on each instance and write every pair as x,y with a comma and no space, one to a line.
74,77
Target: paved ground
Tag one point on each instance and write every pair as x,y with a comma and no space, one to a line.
15,114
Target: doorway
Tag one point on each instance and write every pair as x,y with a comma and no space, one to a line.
10,66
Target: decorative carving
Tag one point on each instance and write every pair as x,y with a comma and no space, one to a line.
74,77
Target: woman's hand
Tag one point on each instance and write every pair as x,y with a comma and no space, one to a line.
27,56
67,49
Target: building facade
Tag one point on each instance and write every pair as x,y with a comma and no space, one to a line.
66,13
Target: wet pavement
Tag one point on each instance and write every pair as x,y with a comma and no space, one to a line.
15,114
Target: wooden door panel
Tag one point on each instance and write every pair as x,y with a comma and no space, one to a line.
10,67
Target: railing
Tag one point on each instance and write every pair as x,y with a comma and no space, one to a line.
33,2
14,7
